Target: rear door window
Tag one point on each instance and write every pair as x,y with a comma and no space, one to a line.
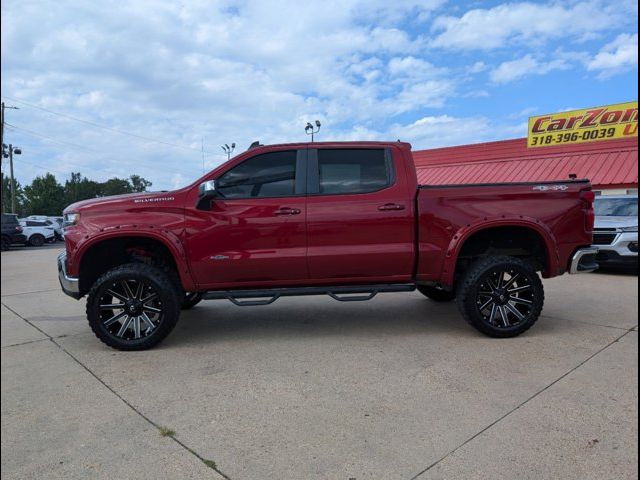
350,170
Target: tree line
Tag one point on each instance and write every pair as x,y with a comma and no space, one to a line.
46,196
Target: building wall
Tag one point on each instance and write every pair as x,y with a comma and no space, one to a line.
616,191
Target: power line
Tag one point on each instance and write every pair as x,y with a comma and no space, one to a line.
51,139
62,142
104,127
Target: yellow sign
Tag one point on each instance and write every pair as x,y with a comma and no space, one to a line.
588,125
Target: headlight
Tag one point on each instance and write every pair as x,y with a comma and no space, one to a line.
629,229
71,219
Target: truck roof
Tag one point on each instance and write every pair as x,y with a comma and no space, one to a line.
335,144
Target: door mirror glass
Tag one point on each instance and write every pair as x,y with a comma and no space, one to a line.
207,189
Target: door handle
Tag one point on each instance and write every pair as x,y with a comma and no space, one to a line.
391,206
287,211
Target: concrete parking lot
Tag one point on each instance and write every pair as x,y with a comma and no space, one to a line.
395,388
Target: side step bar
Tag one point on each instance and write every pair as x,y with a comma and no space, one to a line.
343,293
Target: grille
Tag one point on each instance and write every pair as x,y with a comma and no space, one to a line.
603,238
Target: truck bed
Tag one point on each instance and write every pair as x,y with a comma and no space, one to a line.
448,215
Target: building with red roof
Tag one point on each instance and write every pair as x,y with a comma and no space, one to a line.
612,165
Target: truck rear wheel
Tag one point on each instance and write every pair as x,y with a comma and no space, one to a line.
133,307
501,296
6,242
436,294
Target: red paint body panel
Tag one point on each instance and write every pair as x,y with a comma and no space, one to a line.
350,237
450,215
334,239
244,241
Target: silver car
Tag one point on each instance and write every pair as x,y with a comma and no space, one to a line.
616,230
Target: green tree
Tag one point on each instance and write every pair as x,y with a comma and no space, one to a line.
80,188
115,186
45,196
6,196
139,184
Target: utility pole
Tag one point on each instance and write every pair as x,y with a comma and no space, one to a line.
2,156
12,183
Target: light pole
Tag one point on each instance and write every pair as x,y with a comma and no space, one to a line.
10,151
228,149
2,108
311,130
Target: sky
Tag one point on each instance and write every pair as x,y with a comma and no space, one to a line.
154,88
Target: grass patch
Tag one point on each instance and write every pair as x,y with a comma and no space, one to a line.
209,463
166,432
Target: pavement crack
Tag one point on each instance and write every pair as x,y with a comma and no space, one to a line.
209,463
30,293
495,422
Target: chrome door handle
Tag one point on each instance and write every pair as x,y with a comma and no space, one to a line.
391,206
287,211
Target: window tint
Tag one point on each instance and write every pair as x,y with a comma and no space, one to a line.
353,170
9,219
267,175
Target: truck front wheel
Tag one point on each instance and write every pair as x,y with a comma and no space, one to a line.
501,296
133,307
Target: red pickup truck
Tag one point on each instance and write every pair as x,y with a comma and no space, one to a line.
344,219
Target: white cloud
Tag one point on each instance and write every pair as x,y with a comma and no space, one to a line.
243,70
231,71
522,67
617,56
477,67
524,23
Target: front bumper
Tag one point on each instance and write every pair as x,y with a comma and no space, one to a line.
584,260
70,285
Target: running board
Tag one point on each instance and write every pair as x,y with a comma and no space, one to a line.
343,293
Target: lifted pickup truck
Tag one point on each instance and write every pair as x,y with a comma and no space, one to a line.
344,219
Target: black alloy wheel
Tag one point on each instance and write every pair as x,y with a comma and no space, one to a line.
501,296
132,307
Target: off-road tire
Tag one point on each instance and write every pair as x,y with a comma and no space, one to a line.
36,240
158,281
436,294
469,295
191,299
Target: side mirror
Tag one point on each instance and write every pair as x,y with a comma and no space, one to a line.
206,192
207,189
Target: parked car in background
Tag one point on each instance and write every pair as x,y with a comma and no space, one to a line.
616,230
55,222
11,231
37,233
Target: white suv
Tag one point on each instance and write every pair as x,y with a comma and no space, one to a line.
55,222
616,230
37,232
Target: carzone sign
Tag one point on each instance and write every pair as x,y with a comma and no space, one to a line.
589,125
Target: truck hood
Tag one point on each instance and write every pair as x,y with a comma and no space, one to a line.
615,222
141,198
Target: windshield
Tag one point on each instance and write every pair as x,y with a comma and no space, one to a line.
616,207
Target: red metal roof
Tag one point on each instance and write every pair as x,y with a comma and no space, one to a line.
609,163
